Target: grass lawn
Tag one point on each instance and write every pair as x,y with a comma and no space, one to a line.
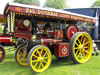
58,67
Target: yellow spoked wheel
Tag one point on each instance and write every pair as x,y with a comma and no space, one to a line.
39,58
81,47
21,55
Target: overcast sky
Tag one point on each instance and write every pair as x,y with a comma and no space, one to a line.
2,5
70,3
80,3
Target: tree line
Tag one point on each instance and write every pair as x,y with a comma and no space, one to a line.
58,4
96,3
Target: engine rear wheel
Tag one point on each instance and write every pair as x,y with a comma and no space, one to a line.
21,55
81,47
39,58
2,53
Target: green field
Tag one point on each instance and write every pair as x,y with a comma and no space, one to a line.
58,67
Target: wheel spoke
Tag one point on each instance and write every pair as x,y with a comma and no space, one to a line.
42,64
44,61
83,54
39,65
76,43
23,50
41,51
23,57
79,54
76,48
23,60
35,56
86,43
86,51
45,57
36,64
35,60
21,53
86,47
44,54
79,41
81,38
18,56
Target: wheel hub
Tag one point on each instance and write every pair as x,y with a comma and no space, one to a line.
40,58
81,47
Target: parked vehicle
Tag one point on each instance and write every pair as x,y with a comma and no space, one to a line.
47,32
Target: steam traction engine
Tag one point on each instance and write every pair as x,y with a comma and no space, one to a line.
5,39
47,32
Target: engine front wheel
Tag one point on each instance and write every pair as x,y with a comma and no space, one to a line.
39,58
2,53
81,47
21,55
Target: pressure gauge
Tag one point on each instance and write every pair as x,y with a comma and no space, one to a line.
26,23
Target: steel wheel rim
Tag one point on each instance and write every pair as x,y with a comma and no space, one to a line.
83,47
22,56
40,59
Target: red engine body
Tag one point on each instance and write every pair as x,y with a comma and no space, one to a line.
61,50
6,39
59,34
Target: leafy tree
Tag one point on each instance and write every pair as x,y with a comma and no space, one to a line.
96,4
30,2
58,4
